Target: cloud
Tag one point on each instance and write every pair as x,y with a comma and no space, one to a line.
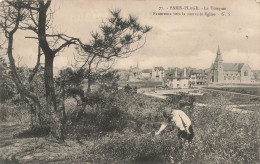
173,42
235,56
201,60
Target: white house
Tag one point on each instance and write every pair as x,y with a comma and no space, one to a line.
177,78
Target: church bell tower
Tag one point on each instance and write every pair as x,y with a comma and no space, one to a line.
218,68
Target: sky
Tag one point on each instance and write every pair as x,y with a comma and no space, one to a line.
174,41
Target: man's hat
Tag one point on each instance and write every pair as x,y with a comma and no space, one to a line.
167,111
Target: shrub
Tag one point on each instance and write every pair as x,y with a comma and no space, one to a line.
111,118
225,136
221,136
136,148
105,112
36,131
181,100
18,113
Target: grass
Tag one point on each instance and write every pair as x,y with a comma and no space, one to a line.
250,108
252,90
221,136
235,99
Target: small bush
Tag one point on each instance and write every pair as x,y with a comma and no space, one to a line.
181,100
18,113
36,131
111,119
137,148
105,112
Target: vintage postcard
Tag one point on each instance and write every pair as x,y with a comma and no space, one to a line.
130,81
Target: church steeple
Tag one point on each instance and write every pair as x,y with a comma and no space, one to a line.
218,58
218,68
218,53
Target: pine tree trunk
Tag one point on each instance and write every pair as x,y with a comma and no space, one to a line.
49,82
51,104
54,116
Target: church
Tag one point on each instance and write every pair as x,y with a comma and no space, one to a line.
229,72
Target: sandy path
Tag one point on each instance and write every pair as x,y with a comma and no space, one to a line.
37,150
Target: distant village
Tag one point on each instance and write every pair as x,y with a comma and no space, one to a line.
218,73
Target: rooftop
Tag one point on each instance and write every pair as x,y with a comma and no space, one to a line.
232,66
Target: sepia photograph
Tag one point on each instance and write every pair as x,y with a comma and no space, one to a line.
129,81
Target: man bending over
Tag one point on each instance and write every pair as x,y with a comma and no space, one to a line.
181,120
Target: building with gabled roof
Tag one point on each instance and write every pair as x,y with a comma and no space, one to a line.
146,73
198,77
177,78
158,73
229,72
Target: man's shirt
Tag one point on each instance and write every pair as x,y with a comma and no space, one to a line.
180,119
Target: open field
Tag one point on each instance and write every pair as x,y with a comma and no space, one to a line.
203,94
221,136
237,85
252,90
236,97
140,84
